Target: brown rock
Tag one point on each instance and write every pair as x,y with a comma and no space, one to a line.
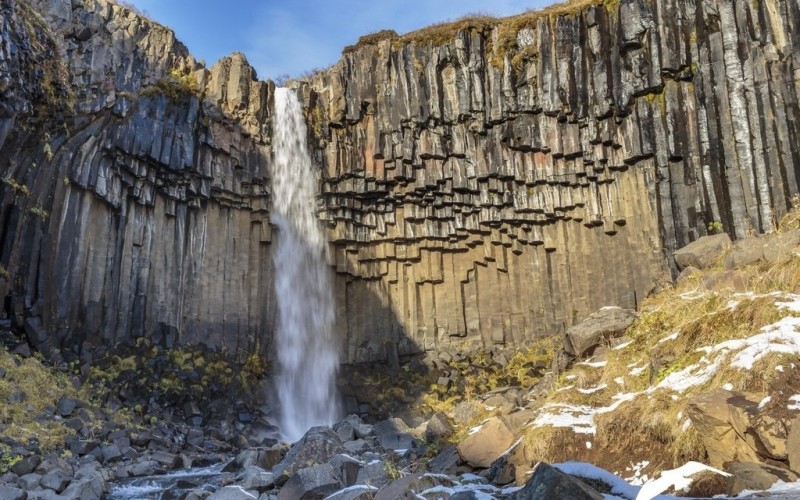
484,446
703,253
752,476
606,323
722,419
793,445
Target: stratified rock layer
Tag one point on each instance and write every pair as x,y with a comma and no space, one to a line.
483,186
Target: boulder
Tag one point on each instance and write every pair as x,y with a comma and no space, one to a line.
438,428
310,483
793,445
722,419
753,476
11,493
393,434
446,462
26,465
231,493
263,457
373,474
346,469
317,446
604,324
56,480
29,481
403,487
484,446
466,411
256,478
549,482
88,484
703,253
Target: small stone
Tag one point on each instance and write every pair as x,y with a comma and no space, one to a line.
111,453
66,406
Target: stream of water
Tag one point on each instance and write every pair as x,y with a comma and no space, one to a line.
307,354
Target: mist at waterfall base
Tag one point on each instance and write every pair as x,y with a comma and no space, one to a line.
307,354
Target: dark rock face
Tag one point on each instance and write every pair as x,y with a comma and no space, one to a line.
489,189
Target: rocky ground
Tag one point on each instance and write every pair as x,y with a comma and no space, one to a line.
706,372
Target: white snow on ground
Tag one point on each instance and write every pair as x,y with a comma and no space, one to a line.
764,402
638,370
593,364
779,337
619,381
690,376
589,471
794,403
692,295
565,388
781,490
579,418
637,479
669,338
623,345
354,488
594,389
679,479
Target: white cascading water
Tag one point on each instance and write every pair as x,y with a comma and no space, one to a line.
307,353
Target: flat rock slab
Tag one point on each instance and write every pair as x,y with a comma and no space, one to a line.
703,253
607,323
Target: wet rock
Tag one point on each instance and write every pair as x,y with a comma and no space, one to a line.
266,458
609,322
317,446
549,482
483,447
231,493
310,483
256,478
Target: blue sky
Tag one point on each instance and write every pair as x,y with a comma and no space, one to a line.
291,37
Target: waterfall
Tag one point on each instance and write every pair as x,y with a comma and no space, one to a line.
307,353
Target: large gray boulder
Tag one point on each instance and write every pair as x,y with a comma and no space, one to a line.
608,322
311,483
317,446
703,253
548,482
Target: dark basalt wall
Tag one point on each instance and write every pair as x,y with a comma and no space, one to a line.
492,187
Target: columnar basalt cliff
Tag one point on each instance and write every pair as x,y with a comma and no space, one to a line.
500,184
141,211
483,183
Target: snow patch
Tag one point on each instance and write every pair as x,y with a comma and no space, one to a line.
764,402
638,370
593,364
354,488
579,418
589,471
794,403
623,345
594,389
669,338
